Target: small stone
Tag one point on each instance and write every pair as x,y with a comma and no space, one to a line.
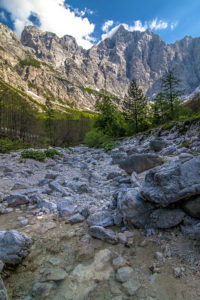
101,233
122,238
131,287
77,218
23,223
159,256
86,239
124,274
54,261
177,272
155,268
144,243
55,274
100,219
119,262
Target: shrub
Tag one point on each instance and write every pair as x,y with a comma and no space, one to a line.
6,145
51,153
37,155
30,62
95,138
186,144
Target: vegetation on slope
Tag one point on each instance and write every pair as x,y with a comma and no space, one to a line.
21,120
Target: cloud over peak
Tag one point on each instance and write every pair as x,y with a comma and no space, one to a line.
155,24
54,16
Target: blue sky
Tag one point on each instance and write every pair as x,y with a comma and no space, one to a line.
89,21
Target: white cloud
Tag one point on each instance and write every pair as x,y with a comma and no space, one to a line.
173,25
139,26
54,16
107,25
3,16
157,25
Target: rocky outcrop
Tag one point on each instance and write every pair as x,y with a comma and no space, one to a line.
172,182
13,247
140,162
134,210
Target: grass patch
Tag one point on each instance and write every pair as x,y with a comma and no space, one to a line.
51,153
96,139
6,145
32,85
33,154
39,155
186,144
30,61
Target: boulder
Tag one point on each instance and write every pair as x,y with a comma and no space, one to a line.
77,218
157,144
133,208
140,162
66,207
100,219
46,204
43,290
172,182
103,234
124,274
192,207
55,186
13,246
16,199
169,150
192,232
166,218
118,157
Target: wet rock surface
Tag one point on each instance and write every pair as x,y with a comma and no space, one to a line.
98,233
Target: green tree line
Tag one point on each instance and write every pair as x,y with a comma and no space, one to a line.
136,113
20,119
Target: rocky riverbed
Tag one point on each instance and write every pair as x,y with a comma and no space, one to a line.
90,224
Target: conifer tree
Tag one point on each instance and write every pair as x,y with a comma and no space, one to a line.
49,118
170,88
159,109
135,107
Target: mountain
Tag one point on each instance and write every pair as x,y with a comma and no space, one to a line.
75,76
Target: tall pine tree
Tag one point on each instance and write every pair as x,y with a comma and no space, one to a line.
171,92
135,107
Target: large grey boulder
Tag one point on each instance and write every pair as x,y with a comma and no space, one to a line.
157,144
100,219
192,207
164,218
140,162
172,182
66,207
16,199
13,246
133,208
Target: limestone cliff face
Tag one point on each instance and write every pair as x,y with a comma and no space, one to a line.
67,69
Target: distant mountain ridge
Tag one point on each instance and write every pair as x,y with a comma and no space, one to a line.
75,75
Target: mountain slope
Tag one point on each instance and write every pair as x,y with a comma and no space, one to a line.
74,76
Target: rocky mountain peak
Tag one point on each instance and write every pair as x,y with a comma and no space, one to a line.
109,65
